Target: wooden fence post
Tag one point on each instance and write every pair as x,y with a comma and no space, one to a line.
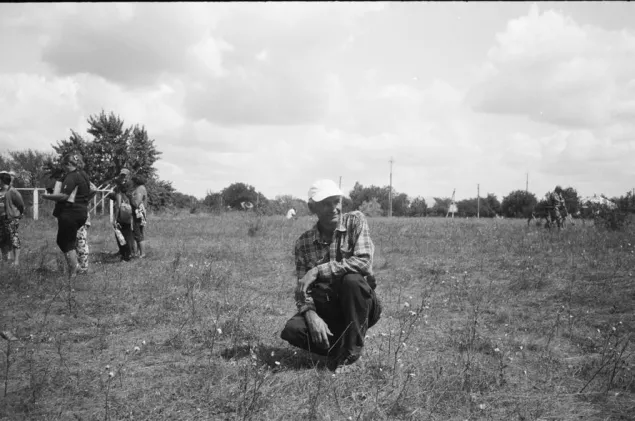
36,205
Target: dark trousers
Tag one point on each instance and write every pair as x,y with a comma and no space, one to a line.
70,219
126,250
348,306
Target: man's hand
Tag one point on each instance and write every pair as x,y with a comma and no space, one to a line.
318,329
303,285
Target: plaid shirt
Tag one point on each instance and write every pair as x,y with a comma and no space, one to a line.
350,251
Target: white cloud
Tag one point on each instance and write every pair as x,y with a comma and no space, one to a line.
555,71
278,94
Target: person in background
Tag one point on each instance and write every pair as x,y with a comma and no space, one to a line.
557,207
123,219
291,213
82,250
335,289
11,211
71,209
139,202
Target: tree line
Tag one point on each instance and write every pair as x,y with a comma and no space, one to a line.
110,145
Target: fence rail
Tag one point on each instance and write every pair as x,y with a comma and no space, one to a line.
99,199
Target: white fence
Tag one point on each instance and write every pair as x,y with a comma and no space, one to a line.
99,199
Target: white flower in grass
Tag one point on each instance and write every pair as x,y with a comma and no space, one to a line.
277,362
111,374
143,343
107,367
219,331
406,304
497,350
137,349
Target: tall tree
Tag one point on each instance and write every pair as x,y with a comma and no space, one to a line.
418,207
518,204
30,167
236,193
113,147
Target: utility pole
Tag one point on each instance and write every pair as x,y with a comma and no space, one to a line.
478,201
390,191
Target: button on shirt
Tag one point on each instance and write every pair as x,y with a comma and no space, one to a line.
350,251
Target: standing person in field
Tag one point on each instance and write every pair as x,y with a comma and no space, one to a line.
71,208
11,211
139,202
335,290
123,219
557,207
57,177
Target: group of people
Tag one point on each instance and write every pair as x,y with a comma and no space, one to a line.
72,193
335,290
131,201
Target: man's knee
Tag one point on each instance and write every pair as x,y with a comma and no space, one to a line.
353,280
295,330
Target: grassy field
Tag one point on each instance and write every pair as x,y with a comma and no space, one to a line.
483,320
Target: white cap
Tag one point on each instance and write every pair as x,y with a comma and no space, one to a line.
322,189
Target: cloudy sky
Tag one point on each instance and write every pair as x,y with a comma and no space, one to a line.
277,95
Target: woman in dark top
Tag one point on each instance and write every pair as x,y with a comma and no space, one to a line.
71,208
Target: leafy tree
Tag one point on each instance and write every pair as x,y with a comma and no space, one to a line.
29,166
400,204
5,163
441,206
236,193
371,208
213,201
160,193
518,204
184,201
491,207
468,207
361,194
112,148
571,200
418,207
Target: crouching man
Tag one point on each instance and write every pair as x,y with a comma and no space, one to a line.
335,291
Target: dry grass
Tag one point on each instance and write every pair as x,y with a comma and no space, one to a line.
483,319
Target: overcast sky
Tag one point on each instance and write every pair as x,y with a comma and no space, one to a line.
277,95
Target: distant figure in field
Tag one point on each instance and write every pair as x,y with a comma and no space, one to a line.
71,209
11,211
291,213
335,290
557,208
139,202
123,219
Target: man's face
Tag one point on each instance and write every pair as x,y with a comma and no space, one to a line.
328,210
